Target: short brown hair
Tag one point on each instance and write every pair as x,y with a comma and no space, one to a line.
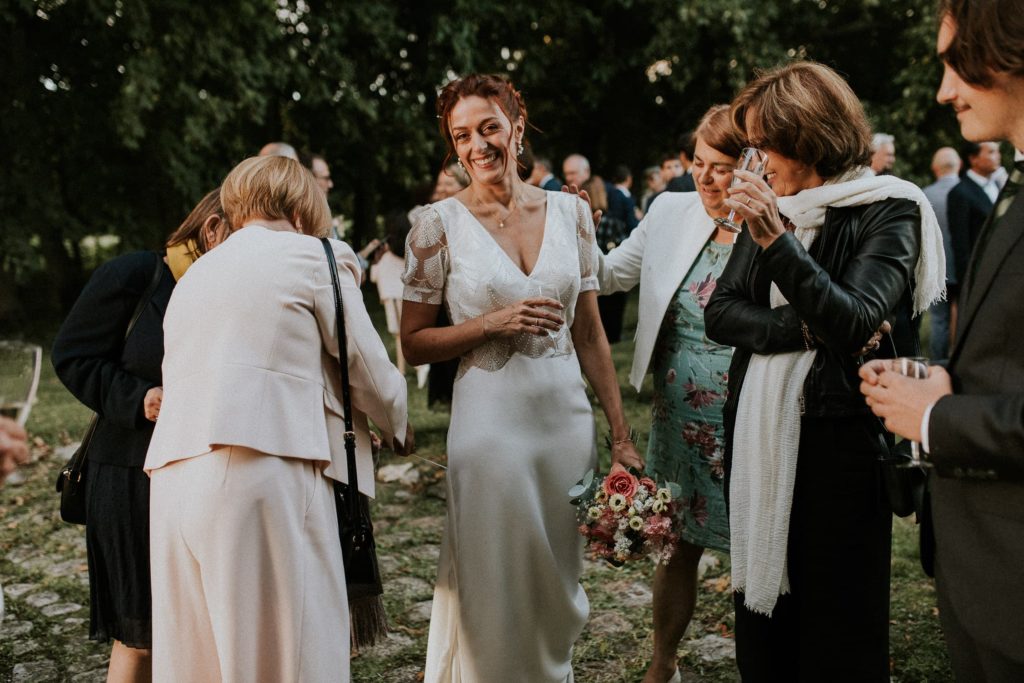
807,112
487,86
718,132
988,38
191,228
275,188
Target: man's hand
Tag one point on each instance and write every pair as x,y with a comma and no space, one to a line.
13,446
901,401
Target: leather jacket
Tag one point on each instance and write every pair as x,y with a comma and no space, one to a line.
857,273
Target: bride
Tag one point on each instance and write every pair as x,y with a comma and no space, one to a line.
516,268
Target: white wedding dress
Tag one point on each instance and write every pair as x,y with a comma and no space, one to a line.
508,604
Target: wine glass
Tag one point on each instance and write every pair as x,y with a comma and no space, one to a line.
20,364
914,367
551,292
753,160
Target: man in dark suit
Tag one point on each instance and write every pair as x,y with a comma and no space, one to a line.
684,182
970,419
946,166
970,202
614,229
543,177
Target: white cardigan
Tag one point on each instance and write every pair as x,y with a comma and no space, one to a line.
658,254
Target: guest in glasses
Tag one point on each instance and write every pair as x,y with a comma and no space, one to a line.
676,256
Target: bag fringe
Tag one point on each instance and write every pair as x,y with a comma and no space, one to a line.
369,621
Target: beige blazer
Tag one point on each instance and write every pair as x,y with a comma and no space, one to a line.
658,254
251,357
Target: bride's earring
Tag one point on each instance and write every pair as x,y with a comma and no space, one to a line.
521,148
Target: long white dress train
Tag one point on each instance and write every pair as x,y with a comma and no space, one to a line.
508,605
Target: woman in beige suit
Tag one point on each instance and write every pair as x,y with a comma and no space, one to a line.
248,583
676,255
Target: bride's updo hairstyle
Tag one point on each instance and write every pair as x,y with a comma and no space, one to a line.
275,188
488,86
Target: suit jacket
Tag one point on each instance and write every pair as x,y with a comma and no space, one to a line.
107,372
622,207
937,194
967,207
976,441
552,184
251,357
658,255
682,183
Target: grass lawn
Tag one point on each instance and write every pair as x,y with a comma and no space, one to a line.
43,567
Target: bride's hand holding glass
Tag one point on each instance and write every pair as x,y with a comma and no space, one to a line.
535,316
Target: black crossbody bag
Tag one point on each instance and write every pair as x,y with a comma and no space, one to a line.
358,549
71,480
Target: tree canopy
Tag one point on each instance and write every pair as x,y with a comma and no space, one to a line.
118,115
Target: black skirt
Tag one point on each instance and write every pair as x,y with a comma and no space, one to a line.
117,540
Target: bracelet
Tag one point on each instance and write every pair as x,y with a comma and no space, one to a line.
809,342
630,438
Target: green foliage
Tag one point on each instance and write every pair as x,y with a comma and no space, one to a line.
118,115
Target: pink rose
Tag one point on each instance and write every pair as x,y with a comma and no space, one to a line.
649,484
621,482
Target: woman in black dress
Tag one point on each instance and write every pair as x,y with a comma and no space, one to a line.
119,378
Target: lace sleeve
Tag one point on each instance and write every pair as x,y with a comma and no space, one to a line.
587,244
426,259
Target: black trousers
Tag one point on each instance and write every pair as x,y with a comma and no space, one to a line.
612,307
834,624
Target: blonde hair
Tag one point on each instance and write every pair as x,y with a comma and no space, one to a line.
275,188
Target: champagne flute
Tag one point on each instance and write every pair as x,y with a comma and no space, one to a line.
914,367
20,365
753,160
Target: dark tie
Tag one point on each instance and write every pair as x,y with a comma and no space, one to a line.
1003,202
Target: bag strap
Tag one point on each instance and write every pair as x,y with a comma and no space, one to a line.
346,397
147,294
77,463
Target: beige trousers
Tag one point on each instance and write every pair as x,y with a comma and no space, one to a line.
248,583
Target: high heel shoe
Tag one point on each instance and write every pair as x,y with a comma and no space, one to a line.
676,677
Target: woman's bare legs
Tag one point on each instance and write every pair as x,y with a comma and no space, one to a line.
675,596
129,665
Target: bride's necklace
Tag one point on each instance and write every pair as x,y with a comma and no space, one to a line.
504,220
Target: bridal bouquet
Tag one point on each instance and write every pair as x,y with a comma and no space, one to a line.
625,517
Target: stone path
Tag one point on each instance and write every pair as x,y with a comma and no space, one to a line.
44,634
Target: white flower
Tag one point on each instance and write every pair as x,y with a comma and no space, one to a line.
617,502
636,523
658,506
594,512
664,495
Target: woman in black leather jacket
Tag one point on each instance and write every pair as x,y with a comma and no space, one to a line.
828,253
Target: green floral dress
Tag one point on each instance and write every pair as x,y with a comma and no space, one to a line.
691,374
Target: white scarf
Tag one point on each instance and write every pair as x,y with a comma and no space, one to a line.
766,439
